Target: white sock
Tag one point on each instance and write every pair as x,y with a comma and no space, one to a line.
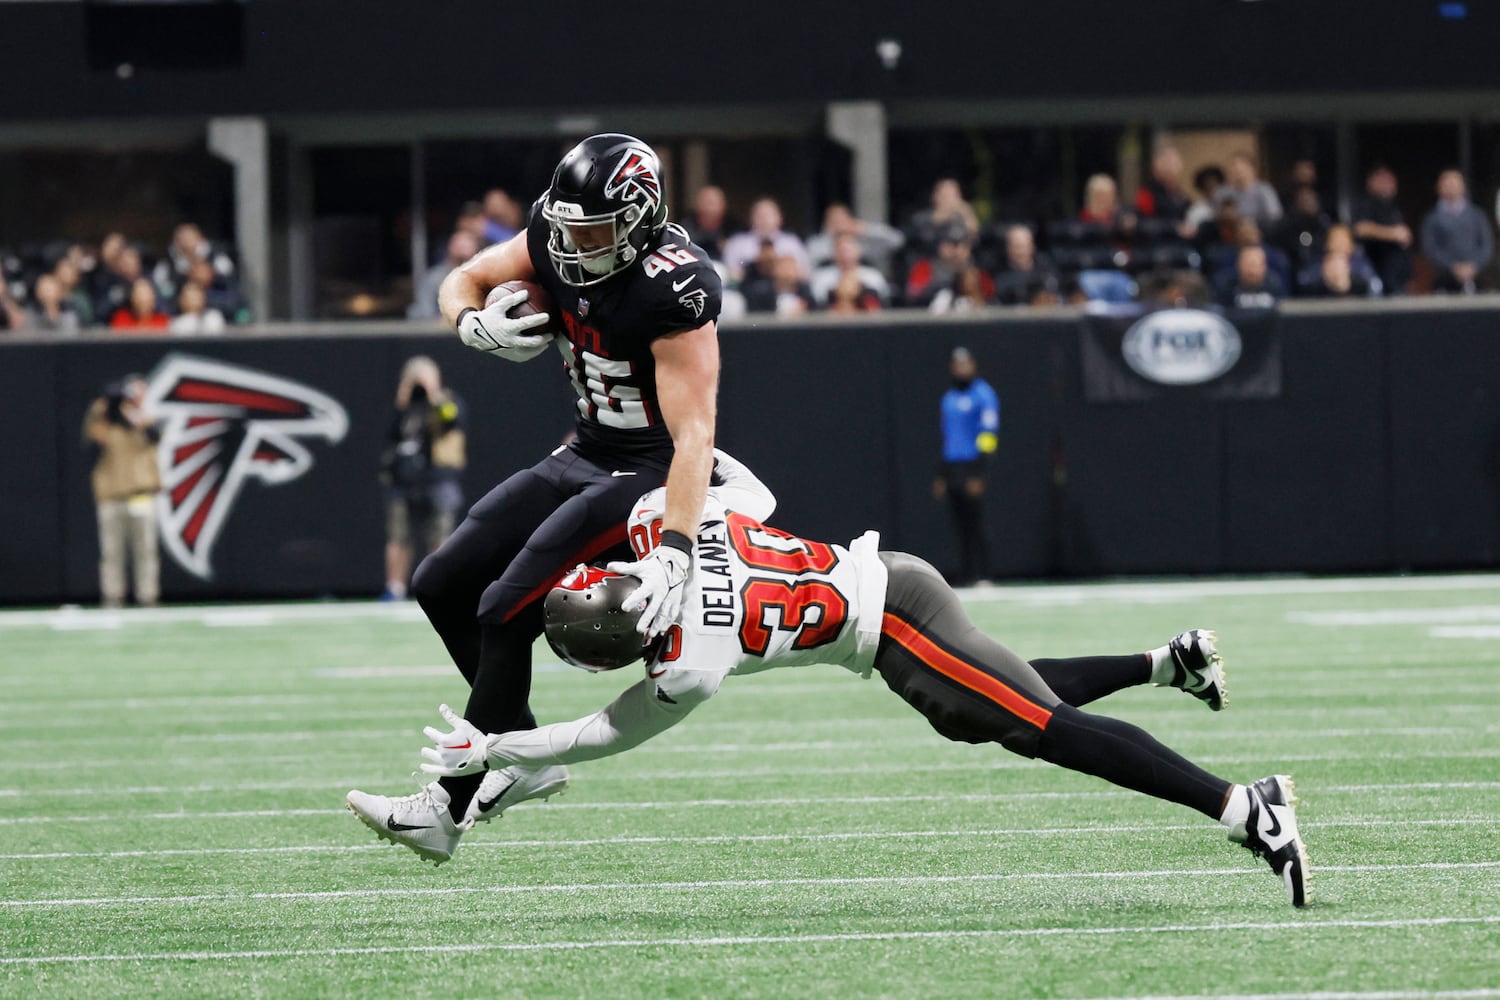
1163,668
1237,809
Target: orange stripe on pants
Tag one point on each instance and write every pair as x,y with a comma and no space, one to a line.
950,666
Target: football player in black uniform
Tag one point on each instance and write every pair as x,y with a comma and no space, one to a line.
638,303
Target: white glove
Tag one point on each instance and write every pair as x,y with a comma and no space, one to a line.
463,751
492,331
663,575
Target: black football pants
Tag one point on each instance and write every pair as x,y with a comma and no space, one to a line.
483,588
974,690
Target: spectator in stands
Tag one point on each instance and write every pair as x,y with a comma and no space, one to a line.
1251,284
503,218
472,220
51,312
70,280
1339,242
142,315
1301,231
12,316
1335,279
461,246
948,209
421,471
102,275
973,289
125,482
1206,181
1382,229
851,295
785,294
194,315
846,261
708,225
1247,234
1304,174
877,241
188,247
220,291
121,271
1164,196
1456,236
1027,278
934,274
1254,197
1219,233
1101,203
765,224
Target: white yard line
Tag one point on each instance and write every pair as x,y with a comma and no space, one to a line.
716,838
1252,759
1397,616
752,883
1303,927
1475,994
271,615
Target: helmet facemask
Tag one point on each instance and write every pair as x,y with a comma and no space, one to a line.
587,249
603,209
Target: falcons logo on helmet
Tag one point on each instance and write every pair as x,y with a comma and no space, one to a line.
635,177
221,425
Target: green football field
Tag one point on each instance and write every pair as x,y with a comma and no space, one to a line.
172,820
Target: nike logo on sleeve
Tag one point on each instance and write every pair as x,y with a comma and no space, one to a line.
678,286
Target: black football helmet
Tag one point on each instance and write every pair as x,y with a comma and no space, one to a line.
586,624
605,206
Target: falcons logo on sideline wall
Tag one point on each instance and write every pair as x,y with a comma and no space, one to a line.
222,424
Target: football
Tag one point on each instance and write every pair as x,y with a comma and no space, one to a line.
537,300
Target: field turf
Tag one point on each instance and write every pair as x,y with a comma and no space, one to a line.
172,821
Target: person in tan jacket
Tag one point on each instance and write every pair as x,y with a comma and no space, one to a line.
126,480
421,470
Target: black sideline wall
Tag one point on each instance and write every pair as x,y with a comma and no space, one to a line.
1381,453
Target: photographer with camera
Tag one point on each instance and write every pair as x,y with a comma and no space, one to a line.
126,480
422,471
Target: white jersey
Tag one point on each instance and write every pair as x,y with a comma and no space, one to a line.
760,598
757,598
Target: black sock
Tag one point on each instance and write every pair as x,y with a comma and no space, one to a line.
1082,679
460,790
1131,758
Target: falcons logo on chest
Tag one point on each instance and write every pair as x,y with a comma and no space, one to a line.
223,424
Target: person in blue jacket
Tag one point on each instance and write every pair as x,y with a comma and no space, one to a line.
971,428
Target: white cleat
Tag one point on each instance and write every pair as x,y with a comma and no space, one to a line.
419,821
511,785
1197,667
1270,832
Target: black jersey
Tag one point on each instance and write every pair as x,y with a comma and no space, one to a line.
609,328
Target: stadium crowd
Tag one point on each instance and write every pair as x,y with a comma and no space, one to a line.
1223,236
122,286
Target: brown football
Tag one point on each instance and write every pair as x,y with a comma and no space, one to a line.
537,300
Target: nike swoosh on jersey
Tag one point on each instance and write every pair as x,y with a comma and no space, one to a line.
678,286
653,674
617,472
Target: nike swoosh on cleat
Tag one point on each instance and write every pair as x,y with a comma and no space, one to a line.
487,805
394,827
678,286
1275,830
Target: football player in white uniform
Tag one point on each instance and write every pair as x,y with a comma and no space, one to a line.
759,598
